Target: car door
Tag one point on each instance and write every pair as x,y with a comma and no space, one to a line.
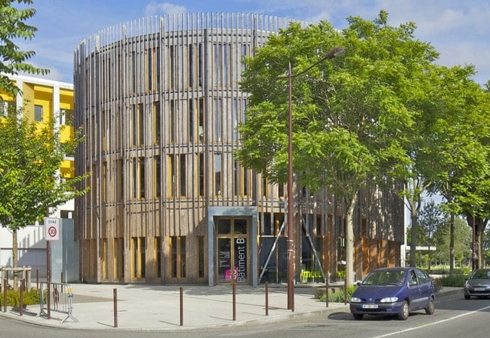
426,287
414,290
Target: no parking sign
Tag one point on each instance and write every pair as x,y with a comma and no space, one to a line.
52,229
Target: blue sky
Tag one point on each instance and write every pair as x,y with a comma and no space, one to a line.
458,29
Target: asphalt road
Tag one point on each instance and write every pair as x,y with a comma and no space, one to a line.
454,317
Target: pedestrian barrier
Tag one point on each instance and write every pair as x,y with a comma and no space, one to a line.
61,300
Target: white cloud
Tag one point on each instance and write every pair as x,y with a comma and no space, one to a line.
54,74
457,29
154,8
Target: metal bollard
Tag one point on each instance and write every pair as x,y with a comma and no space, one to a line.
115,306
266,298
5,295
326,291
234,301
345,292
21,298
181,306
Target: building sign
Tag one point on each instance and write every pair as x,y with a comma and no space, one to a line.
240,260
52,229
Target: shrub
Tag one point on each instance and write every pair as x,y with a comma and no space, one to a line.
454,280
341,274
335,295
438,284
31,297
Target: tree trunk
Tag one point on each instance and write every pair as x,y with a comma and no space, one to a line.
349,241
428,255
451,246
413,237
479,239
482,222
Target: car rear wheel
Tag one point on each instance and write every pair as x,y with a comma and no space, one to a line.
357,316
403,314
431,307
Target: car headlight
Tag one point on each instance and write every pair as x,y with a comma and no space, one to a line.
355,300
389,299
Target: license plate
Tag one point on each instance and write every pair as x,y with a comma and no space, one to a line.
479,289
369,306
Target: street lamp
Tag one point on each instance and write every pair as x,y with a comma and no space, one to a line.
290,219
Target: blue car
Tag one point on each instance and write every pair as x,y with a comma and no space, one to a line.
393,291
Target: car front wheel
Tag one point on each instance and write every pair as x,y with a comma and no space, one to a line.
357,316
403,314
431,307
467,296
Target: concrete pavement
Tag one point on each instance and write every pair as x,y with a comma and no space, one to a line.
143,307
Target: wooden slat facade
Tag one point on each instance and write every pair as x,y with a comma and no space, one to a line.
159,101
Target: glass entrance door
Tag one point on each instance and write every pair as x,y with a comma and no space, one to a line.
233,262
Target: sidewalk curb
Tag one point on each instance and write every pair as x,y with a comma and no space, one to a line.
249,313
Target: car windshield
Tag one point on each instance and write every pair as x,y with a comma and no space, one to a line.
385,277
481,274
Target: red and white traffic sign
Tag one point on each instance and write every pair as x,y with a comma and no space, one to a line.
52,228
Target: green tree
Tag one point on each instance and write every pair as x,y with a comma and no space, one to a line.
449,99
442,239
486,247
352,116
430,219
461,153
13,26
30,181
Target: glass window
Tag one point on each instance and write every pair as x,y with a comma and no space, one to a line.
217,120
200,250
156,112
141,124
6,107
413,278
38,113
182,175
423,277
224,226
67,117
138,245
201,174
217,174
141,163
191,120
158,255
158,177
178,254
240,226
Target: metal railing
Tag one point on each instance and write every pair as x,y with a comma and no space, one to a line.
61,300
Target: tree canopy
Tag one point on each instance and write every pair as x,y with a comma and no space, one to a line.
30,181
364,119
13,26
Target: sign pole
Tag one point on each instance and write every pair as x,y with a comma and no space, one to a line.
52,230
48,276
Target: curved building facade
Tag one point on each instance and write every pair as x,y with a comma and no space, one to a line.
159,101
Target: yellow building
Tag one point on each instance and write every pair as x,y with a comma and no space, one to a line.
40,99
